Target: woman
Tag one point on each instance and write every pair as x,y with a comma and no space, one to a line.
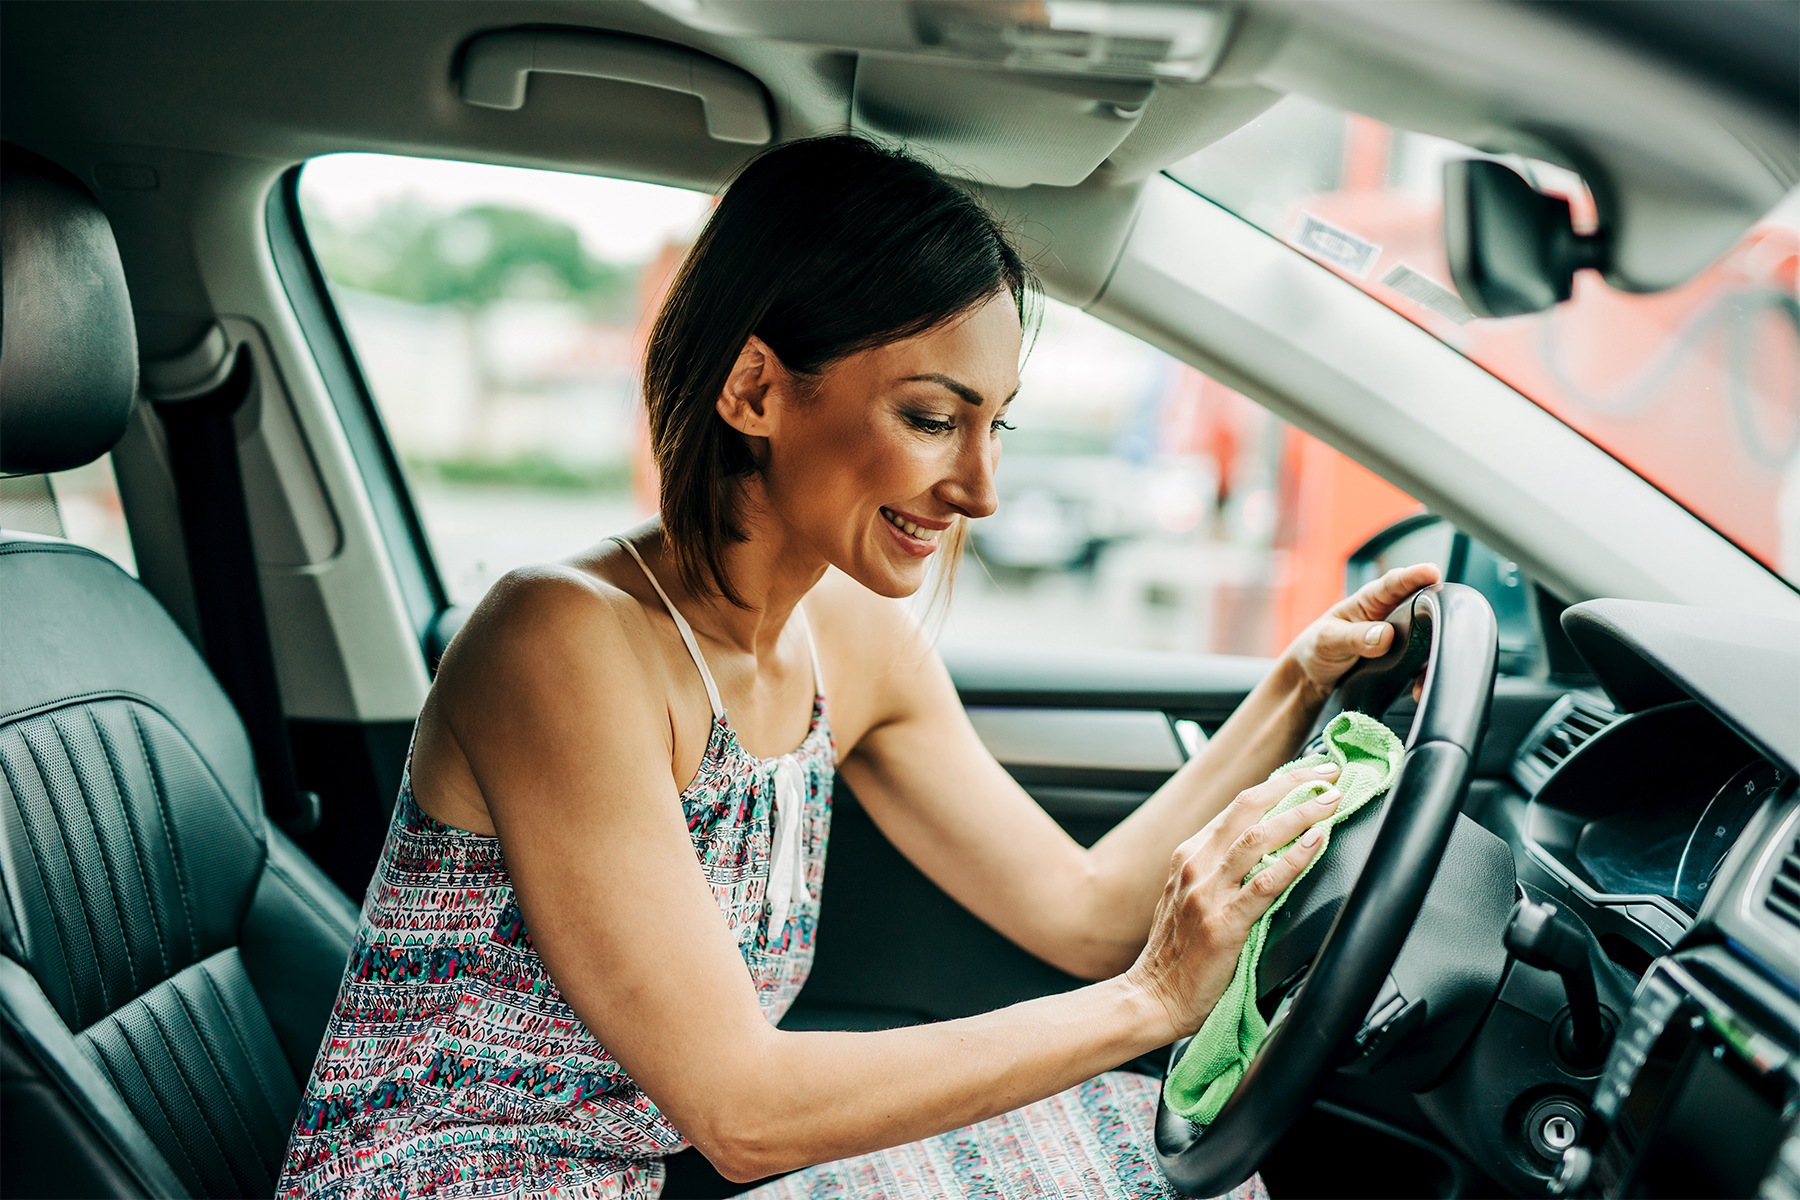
601,885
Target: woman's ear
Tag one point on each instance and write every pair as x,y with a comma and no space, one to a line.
755,377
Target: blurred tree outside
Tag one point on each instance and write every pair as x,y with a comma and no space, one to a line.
538,327
470,258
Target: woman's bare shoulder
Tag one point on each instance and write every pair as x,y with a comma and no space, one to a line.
547,625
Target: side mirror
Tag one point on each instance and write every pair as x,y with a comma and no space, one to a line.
1423,537
1512,248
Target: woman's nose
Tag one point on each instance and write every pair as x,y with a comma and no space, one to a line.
971,489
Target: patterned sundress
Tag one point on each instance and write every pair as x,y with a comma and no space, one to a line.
452,1066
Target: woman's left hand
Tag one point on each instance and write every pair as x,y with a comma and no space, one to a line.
1355,627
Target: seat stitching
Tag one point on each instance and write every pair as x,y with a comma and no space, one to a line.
150,1086
38,860
219,1070
137,851
12,911
162,806
111,871
117,694
175,1059
75,875
238,1034
52,548
301,894
99,1054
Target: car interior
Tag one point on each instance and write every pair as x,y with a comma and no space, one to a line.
1567,959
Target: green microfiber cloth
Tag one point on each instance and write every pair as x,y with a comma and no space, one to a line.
1368,757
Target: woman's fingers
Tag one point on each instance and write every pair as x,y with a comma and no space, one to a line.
1379,597
1256,896
1275,832
1253,804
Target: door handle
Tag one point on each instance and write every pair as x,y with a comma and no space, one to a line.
496,67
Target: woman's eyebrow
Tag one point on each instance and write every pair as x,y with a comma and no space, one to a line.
961,389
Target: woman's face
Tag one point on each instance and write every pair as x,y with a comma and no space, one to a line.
894,446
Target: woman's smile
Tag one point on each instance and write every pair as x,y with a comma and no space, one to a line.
916,535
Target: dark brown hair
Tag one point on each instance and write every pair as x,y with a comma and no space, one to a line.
822,248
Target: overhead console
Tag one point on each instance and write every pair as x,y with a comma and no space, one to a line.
1016,96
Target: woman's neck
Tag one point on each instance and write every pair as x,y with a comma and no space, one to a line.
770,570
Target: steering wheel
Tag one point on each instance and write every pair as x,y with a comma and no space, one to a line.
1449,630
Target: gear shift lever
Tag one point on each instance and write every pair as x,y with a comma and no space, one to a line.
1539,936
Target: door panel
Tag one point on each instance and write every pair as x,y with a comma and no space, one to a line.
1083,738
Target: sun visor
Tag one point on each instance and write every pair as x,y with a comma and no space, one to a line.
1010,129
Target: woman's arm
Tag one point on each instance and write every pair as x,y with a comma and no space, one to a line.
926,779
549,702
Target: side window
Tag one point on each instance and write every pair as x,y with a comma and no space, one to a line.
81,505
1146,506
498,315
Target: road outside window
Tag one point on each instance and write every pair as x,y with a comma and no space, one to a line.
499,316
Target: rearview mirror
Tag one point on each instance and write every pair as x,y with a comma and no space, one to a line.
1512,248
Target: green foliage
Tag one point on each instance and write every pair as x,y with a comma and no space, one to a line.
468,258
525,471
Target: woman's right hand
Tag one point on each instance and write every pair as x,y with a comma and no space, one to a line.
1207,907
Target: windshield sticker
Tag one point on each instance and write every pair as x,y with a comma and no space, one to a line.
1417,286
1335,245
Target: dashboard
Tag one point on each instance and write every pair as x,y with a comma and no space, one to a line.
1632,815
1660,808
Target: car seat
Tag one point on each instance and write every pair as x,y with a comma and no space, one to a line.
169,957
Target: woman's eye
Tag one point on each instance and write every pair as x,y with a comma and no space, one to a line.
999,425
930,424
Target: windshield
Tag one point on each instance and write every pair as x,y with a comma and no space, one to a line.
1696,389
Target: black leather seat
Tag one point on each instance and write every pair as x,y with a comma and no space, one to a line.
169,957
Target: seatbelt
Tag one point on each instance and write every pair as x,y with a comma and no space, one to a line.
215,520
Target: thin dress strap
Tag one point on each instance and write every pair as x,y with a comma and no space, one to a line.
686,631
812,650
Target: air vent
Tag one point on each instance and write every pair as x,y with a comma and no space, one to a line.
1571,722
1784,887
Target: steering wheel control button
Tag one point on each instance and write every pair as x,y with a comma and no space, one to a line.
1553,1126
1391,1020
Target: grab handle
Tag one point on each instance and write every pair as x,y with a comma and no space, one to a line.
497,65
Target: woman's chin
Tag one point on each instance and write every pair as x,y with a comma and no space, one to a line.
894,581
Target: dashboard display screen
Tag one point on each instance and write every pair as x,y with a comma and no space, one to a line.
1674,852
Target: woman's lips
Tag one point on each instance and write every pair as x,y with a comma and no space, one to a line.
915,537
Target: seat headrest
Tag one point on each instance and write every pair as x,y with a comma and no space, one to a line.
68,349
